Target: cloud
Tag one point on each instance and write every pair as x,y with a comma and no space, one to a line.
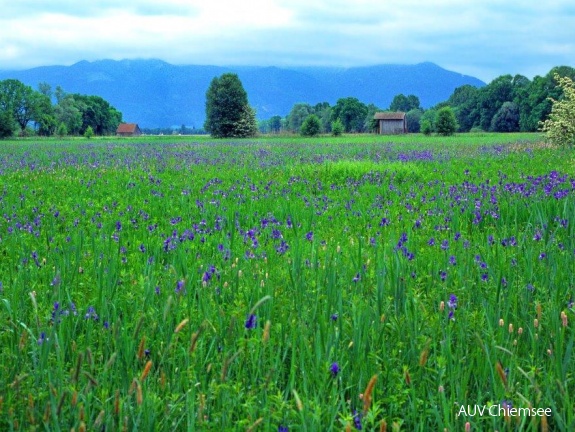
486,38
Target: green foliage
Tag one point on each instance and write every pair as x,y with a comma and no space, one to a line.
404,103
351,112
506,119
228,114
413,119
297,115
337,127
275,124
7,124
311,126
89,132
62,130
247,124
560,126
426,127
20,100
446,123
465,100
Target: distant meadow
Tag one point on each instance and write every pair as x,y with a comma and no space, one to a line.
287,284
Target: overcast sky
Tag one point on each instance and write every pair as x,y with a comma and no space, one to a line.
483,38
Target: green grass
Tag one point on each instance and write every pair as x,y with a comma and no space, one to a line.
109,245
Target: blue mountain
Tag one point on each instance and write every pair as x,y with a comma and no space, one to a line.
154,93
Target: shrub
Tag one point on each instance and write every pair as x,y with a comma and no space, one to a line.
336,127
446,123
311,126
426,127
62,130
89,133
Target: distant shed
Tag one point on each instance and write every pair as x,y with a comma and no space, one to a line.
391,123
128,129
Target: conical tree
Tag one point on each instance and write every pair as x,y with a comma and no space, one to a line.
228,114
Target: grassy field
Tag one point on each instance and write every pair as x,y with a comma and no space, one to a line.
274,284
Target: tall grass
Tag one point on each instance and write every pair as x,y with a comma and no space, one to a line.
305,284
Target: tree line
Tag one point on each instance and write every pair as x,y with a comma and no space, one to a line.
25,111
507,104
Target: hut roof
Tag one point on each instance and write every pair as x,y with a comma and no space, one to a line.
126,128
389,116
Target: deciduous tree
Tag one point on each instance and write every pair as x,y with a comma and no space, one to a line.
560,126
228,114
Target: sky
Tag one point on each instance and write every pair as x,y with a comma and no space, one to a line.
481,38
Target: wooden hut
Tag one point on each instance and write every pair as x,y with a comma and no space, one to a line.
128,130
391,122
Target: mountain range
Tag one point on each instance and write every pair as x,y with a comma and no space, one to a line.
154,93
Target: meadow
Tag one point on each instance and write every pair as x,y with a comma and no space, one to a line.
286,284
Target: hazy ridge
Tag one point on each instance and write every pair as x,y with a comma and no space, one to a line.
154,93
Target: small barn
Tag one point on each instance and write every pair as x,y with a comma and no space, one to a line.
128,130
391,123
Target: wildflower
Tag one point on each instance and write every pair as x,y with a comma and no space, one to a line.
42,338
542,255
334,317
356,278
357,420
282,428
445,244
309,236
334,369
91,314
442,275
179,286
452,302
282,248
484,277
452,260
431,241
251,322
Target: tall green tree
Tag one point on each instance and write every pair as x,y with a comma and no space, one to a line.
20,100
227,109
464,101
98,114
404,103
323,111
275,124
69,112
492,97
7,124
351,112
413,118
506,119
297,115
